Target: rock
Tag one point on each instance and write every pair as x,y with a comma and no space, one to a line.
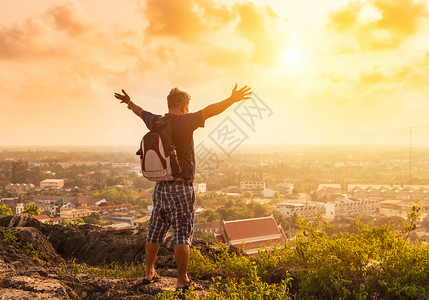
20,221
13,294
95,245
90,244
24,275
93,287
12,260
35,238
35,288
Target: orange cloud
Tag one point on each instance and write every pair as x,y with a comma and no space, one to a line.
67,18
41,35
201,22
258,25
412,77
187,20
395,22
21,39
346,17
59,56
401,17
374,77
230,58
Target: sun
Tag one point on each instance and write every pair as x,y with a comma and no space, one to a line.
291,57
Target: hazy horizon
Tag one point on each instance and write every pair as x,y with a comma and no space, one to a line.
244,149
341,73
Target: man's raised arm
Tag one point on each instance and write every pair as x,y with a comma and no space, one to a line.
131,105
236,95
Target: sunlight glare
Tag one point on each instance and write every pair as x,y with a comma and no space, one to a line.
292,57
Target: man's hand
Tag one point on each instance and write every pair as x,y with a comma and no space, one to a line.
241,94
124,98
236,95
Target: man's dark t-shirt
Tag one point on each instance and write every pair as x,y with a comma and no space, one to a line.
182,127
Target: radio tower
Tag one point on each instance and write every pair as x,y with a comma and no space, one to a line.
411,131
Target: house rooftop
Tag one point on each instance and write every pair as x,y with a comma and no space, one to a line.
251,228
290,205
63,201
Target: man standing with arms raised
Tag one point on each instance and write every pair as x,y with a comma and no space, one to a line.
174,201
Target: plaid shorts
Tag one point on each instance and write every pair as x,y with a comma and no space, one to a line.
173,205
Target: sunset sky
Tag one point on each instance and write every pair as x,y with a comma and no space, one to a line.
331,72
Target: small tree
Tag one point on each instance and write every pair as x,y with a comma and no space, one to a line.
248,195
413,217
5,211
93,218
32,209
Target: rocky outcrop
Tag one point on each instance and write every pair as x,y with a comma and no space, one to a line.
90,244
31,272
35,287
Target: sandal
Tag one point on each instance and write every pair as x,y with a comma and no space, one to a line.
188,285
155,278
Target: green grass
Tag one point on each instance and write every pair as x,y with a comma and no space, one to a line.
115,270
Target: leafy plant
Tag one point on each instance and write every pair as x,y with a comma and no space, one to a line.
12,238
252,288
5,211
413,217
32,209
74,223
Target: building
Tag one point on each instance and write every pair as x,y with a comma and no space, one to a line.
95,201
10,202
141,222
107,208
52,184
285,187
20,187
208,227
200,188
20,206
269,193
251,235
120,165
42,218
233,195
386,192
351,207
69,214
119,219
50,204
63,202
256,186
326,191
309,212
121,225
55,221
44,208
79,202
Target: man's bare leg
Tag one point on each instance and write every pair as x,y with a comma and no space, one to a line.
181,253
151,251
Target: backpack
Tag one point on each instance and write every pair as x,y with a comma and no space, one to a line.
157,153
